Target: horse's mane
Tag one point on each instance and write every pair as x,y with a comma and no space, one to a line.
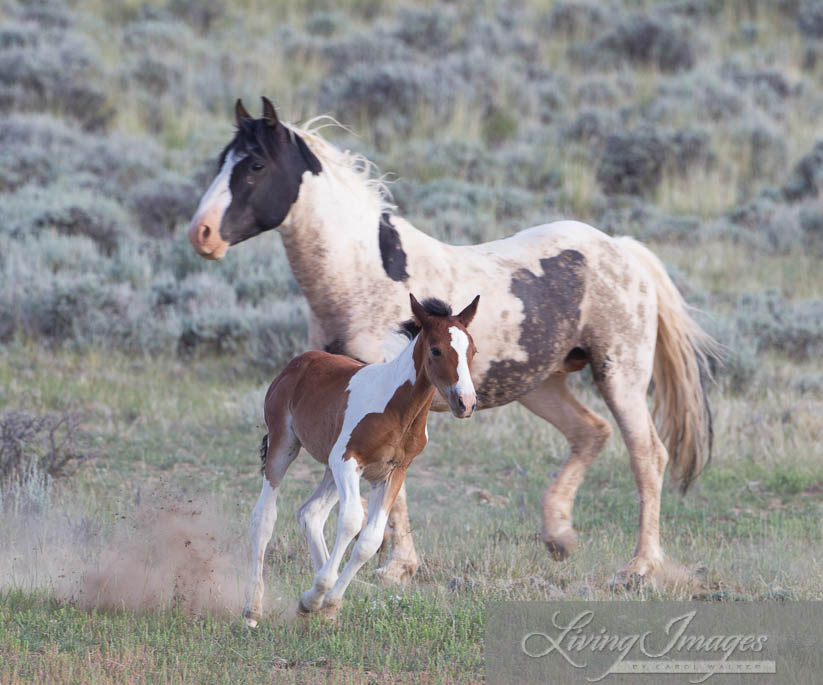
333,158
433,306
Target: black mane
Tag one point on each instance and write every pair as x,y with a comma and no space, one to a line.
250,138
434,307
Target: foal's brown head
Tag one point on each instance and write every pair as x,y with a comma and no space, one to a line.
448,350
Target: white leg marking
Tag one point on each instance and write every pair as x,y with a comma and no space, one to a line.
371,537
349,522
260,532
312,518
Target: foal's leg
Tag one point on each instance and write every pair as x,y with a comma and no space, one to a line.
312,518
371,537
402,562
282,449
586,433
349,523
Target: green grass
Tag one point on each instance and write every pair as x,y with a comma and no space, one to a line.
190,431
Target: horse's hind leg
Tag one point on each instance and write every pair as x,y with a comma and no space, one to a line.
402,562
283,447
624,389
311,518
586,433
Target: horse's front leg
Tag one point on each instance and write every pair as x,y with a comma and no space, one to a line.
349,523
371,537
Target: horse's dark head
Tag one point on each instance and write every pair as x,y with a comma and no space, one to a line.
260,172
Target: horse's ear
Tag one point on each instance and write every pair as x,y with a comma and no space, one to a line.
465,317
420,314
308,156
269,115
240,112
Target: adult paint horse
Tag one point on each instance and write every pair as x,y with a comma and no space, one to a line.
358,419
556,298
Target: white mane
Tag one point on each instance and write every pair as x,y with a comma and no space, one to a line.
349,167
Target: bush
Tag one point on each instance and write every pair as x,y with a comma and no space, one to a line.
810,19
640,40
807,175
162,202
53,441
632,163
42,66
64,210
791,328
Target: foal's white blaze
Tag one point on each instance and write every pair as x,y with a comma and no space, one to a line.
464,388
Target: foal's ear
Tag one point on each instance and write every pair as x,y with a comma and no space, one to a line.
420,314
240,112
465,317
269,115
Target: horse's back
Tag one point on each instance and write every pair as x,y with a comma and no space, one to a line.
311,392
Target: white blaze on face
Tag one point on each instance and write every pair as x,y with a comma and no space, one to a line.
217,198
460,343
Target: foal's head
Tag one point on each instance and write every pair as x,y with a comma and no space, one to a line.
448,350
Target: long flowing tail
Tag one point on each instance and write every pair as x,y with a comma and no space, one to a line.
681,375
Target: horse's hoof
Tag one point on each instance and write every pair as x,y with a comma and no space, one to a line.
252,618
395,573
302,609
562,545
627,581
637,575
329,610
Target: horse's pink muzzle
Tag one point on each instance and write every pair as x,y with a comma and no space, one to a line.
204,235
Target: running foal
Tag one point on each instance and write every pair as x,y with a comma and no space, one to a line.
359,420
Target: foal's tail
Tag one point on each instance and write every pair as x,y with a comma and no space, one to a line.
264,450
681,375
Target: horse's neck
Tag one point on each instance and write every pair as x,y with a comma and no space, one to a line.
326,237
408,366
331,238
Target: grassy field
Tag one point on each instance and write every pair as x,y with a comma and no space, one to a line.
184,433
693,126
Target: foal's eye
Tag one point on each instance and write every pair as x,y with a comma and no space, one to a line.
256,166
435,351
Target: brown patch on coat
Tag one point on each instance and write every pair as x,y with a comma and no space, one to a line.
551,315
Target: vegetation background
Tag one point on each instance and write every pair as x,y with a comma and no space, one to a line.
132,371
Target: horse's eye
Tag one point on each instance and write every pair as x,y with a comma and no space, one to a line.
435,351
256,166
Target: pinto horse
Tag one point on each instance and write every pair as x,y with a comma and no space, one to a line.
357,419
556,298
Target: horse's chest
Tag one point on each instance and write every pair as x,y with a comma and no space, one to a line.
379,448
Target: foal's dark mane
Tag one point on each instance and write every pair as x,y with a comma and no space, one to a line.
432,306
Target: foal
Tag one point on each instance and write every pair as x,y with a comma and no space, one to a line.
358,419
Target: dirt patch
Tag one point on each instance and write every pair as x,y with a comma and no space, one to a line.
165,552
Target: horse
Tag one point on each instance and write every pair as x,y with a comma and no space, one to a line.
558,297
358,419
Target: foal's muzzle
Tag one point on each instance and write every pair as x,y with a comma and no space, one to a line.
462,404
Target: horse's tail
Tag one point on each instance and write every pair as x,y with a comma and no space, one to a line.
681,375
264,450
